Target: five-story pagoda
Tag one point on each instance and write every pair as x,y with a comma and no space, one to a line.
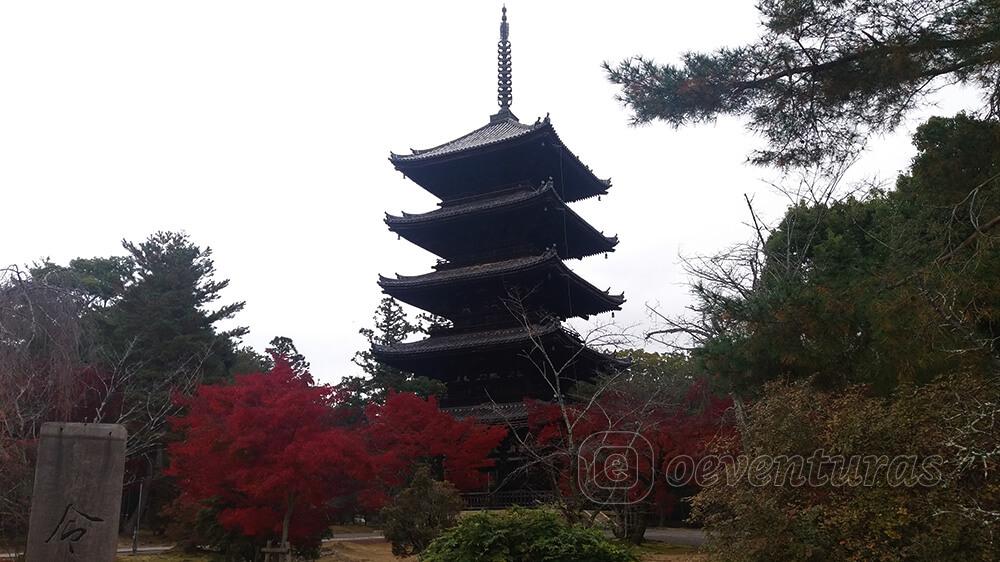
502,231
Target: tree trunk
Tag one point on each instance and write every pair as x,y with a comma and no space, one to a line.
630,524
142,502
287,520
636,528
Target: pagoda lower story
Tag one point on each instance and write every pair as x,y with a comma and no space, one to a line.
502,231
500,366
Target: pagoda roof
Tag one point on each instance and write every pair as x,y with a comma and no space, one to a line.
419,228
472,205
524,337
455,355
441,291
493,133
445,276
470,341
500,153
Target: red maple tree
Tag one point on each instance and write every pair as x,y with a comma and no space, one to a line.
268,449
277,454
407,430
679,429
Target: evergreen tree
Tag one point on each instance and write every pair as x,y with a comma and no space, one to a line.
247,360
285,347
154,324
99,282
391,326
163,314
893,288
826,74
153,307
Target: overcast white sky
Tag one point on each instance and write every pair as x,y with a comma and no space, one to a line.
262,129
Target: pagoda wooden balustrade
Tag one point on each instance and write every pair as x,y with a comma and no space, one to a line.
503,500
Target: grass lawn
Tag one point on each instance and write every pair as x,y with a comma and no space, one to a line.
366,551
662,552
379,551
167,557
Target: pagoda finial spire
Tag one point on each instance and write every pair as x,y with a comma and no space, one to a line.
504,92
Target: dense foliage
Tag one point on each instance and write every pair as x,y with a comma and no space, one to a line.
153,308
420,513
909,470
887,288
268,451
407,431
866,326
523,536
108,340
656,411
274,455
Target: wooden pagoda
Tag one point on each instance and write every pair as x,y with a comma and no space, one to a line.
502,229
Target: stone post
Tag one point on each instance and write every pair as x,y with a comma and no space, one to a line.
77,493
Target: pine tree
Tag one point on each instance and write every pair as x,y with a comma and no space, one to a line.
284,347
826,74
162,319
391,326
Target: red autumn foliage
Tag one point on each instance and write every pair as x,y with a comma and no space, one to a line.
694,423
269,439
681,430
263,444
407,430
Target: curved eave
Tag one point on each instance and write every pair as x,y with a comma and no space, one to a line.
611,241
478,341
410,221
441,214
418,354
466,342
605,182
482,271
401,285
420,158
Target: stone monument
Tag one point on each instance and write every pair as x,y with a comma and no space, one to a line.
77,494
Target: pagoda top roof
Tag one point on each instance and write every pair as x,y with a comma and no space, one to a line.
500,154
495,132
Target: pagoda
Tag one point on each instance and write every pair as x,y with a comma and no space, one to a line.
502,230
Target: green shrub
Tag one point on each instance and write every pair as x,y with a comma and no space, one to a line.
419,513
950,517
521,535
